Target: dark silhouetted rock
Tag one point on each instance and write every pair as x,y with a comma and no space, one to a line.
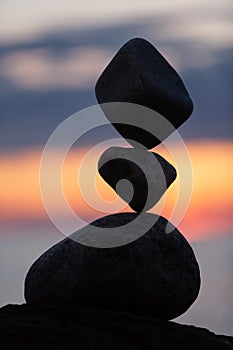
139,74
149,174
72,327
156,275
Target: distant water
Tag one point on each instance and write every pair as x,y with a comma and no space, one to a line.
214,307
20,245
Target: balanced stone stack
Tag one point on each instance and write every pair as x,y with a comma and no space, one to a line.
157,274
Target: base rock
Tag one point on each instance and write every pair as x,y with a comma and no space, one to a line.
68,327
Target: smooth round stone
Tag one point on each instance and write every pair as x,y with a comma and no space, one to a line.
139,74
156,275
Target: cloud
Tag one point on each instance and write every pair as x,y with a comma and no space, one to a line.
206,21
40,69
190,35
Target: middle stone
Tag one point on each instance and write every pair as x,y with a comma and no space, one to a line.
139,177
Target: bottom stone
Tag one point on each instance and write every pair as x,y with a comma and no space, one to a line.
72,327
156,275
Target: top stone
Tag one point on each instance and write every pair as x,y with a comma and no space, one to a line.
139,74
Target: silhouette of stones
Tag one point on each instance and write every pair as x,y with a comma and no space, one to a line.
148,173
156,275
152,271
139,74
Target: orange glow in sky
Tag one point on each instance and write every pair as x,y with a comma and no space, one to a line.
210,211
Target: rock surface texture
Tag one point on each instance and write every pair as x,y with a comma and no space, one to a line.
139,74
72,327
149,174
155,275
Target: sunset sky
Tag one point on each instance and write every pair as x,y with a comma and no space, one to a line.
209,213
51,54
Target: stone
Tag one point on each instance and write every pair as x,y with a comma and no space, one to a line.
148,173
157,275
139,74
72,327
